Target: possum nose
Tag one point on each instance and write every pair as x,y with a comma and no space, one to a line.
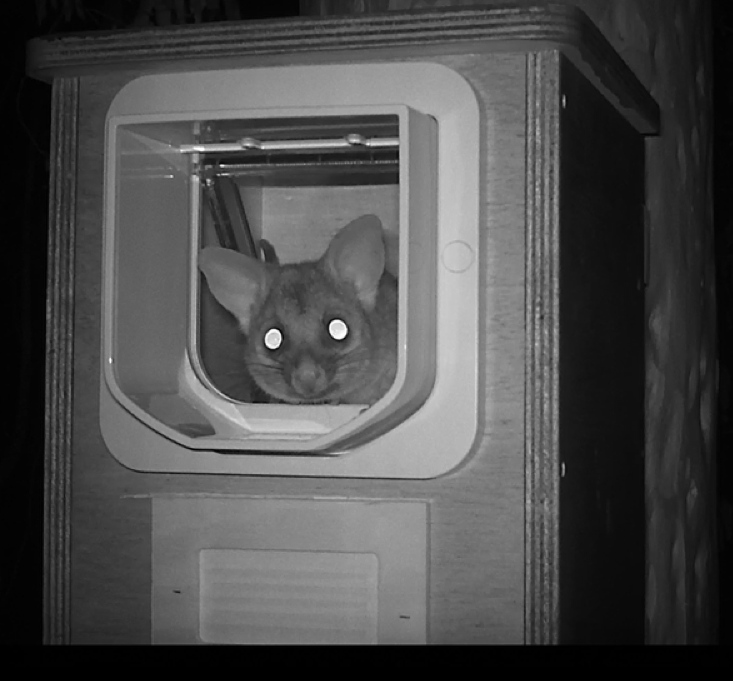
308,378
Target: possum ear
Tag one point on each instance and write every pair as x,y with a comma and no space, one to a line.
237,281
356,256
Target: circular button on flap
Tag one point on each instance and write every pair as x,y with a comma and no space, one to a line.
457,256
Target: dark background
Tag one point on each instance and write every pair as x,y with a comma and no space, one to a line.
25,108
723,215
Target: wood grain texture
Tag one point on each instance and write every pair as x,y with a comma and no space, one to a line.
518,28
585,363
542,319
476,532
59,362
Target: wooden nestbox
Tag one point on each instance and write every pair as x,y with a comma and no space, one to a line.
495,492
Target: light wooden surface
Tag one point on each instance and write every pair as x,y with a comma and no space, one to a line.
477,513
520,28
542,605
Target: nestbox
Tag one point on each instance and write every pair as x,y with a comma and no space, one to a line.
219,191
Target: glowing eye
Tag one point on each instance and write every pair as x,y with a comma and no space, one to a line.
273,339
337,329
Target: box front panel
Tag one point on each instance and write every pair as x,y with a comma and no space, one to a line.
475,530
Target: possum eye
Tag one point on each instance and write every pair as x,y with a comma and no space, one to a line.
338,329
273,338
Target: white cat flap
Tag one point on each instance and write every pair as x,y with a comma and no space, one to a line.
290,277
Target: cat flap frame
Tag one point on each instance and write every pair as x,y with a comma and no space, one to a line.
438,275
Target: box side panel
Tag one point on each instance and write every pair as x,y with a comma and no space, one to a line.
601,369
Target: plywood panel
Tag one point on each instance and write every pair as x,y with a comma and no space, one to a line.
477,512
